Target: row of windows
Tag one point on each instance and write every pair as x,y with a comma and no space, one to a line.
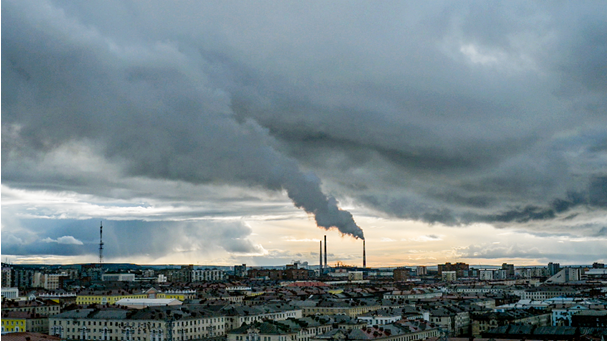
16,329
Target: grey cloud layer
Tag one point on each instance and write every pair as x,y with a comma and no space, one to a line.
442,112
148,107
130,239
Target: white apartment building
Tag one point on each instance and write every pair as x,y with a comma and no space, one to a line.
208,275
144,325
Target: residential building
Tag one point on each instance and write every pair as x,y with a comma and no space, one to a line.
237,315
208,275
458,267
33,321
415,294
7,276
421,270
485,321
42,308
23,278
553,268
562,316
449,276
509,268
547,292
486,274
565,275
401,274
240,271
10,292
118,277
13,324
149,324
590,318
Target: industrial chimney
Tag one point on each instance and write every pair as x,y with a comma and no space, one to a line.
325,252
364,253
321,266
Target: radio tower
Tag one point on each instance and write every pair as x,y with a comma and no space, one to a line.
101,243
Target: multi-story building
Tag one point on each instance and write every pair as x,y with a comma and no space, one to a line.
13,325
401,274
296,274
458,267
43,308
237,315
553,268
547,292
118,277
149,324
509,268
500,274
240,271
91,272
10,292
7,276
481,322
267,274
562,316
33,322
415,294
302,329
486,274
565,275
448,276
208,275
352,309
23,278
590,318
184,274
453,320
88,297
418,330
421,270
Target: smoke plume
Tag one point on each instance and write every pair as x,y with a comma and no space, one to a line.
149,108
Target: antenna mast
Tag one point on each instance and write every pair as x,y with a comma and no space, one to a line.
101,243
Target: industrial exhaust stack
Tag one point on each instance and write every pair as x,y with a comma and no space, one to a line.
321,266
325,253
364,253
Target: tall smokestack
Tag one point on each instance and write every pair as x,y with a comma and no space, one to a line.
321,267
325,252
364,253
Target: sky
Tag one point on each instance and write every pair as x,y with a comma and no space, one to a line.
230,132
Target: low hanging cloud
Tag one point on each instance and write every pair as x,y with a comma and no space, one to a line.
125,240
63,240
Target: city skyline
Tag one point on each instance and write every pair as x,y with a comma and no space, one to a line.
229,132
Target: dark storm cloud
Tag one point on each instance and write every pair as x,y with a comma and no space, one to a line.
148,108
449,112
